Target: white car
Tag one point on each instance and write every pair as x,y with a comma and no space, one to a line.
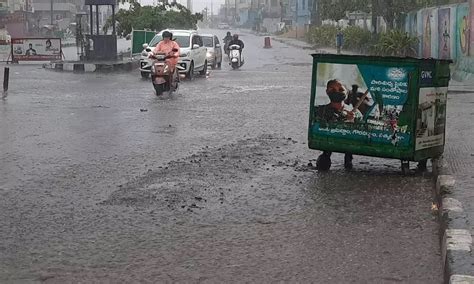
214,50
192,52
223,26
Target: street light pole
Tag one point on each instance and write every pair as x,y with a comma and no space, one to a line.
52,9
296,21
374,9
235,14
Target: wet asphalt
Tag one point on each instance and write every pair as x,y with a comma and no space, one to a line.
102,181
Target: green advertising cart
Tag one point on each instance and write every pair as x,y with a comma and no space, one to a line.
388,107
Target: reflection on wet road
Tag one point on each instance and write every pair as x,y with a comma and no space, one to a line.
103,181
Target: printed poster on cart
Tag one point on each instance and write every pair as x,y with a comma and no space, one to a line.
362,102
36,49
431,118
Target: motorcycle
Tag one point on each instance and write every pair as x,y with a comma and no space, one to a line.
235,56
162,77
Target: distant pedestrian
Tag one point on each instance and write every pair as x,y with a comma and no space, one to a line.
339,41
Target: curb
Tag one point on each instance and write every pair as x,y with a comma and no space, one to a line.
92,67
456,241
68,44
292,44
315,49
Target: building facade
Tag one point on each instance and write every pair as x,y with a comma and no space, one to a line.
14,17
63,14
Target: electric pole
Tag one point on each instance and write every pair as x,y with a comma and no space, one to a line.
374,9
52,9
315,14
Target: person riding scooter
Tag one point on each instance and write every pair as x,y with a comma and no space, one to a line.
168,47
237,41
226,41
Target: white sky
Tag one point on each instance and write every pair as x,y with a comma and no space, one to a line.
198,5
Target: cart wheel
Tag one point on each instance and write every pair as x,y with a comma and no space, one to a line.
422,166
435,165
323,163
405,167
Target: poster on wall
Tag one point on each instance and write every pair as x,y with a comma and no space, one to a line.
414,25
462,30
471,28
427,27
431,117
362,103
434,33
419,31
411,24
36,49
444,33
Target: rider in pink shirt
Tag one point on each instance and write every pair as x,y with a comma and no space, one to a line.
166,46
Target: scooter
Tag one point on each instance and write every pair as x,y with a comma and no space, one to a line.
235,56
162,77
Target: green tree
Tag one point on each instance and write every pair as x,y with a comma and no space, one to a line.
396,43
336,9
155,18
391,10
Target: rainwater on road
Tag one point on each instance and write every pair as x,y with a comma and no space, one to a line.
102,181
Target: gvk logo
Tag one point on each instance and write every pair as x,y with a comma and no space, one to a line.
426,74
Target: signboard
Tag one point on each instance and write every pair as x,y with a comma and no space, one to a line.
365,103
3,6
36,49
431,117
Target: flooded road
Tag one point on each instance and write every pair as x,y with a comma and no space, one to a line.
102,181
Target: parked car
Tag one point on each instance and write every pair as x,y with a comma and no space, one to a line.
223,26
192,53
214,50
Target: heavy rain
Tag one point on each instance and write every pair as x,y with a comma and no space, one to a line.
238,141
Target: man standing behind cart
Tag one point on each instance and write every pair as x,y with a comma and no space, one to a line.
335,111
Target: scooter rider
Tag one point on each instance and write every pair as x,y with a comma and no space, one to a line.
237,41
170,48
228,37
226,41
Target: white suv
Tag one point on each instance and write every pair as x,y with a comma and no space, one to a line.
192,53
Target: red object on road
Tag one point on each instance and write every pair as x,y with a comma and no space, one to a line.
267,42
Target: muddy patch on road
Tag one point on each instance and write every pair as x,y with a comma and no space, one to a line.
253,178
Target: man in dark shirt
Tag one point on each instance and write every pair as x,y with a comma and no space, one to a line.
30,50
237,41
335,111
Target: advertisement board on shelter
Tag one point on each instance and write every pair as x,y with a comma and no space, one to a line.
36,49
431,117
363,103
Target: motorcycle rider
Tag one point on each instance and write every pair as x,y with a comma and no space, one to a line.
170,48
226,41
237,41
